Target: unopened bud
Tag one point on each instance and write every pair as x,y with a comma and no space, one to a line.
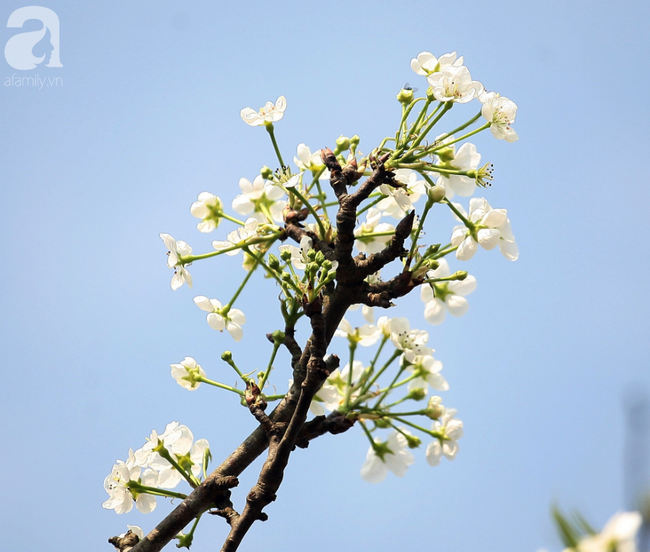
266,172
327,265
274,263
278,336
413,441
355,140
285,255
405,96
460,275
430,95
446,154
382,423
342,144
436,193
319,257
435,409
311,254
226,356
417,394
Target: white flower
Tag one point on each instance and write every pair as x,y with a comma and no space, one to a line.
500,112
237,238
185,373
454,84
372,244
299,257
259,196
427,369
268,114
177,249
392,455
491,228
209,209
426,63
619,534
410,342
366,335
333,392
445,295
400,200
308,161
465,159
116,485
232,320
450,431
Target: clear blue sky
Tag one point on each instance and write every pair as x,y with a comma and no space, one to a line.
147,117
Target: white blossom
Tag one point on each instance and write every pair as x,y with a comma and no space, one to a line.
299,258
232,320
491,228
372,244
177,249
619,534
400,200
448,296
427,369
259,196
237,238
392,455
120,496
410,342
450,430
426,63
465,159
332,394
209,209
454,84
268,114
501,113
185,373
366,335
308,161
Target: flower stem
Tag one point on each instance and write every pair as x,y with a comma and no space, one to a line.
270,130
479,129
311,210
220,385
226,308
154,490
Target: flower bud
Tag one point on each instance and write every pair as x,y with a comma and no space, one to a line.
405,96
446,154
436,193
311,255
382,423
435,409
319,257
274,263
413,441
285,255
226,356
430,95
354,141
460,275
266,172
417,394
342,144
278,336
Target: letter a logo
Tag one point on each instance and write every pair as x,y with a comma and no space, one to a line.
19,48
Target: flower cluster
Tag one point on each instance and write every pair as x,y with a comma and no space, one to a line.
159,465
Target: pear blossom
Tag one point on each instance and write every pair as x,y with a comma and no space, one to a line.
450,430
332,394
120,496
426,63
372,244
400,200
392,455
427,371
619,534
177,249
185,373
237,238
308,161
410,342
454,84
491,227
465,159
232,320
266,115
259,196
209,209
366,335
299,258
441,296
501,113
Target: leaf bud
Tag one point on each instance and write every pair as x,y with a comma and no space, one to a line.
266,172
436,193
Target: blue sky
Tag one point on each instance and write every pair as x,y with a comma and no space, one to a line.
146,116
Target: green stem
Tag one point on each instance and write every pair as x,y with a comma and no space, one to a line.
348,389
270,130
225,309
389,388
217,384
371,204
154,490
311,210
231,219
446,107
458,129
367,386
276,346
435,434
191,258
187,476
479,129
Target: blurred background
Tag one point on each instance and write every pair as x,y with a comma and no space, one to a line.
548,369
